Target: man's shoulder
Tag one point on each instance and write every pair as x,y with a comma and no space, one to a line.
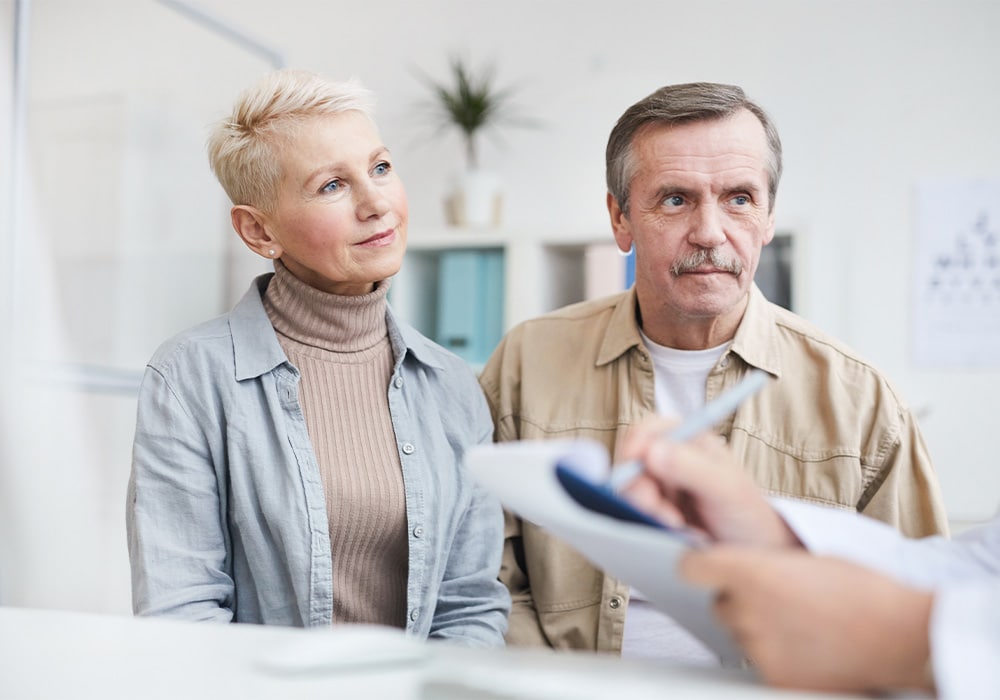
803,344
802,332
555,347
582,315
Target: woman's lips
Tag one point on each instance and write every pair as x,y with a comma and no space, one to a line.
381,238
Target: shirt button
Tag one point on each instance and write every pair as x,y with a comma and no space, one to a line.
414,614
615,603
418,531
398,382
408,448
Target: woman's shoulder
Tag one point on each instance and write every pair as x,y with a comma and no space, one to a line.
216,342
208,343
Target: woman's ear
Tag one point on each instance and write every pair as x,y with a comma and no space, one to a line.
250,223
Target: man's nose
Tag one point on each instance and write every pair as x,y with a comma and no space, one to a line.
707,229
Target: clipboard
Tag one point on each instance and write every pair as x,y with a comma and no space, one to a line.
526,478
601,498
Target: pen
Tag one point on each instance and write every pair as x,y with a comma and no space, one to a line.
710,414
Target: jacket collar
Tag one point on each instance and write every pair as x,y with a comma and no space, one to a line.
406,340
257,351
255,345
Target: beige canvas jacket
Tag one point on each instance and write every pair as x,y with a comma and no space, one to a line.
829,429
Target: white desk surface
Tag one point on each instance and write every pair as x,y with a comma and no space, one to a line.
58,654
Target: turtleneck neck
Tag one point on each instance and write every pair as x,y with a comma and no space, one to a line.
323,320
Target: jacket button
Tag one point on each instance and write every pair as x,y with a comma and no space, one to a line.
418,531
615,603
414,614
408,448
398,382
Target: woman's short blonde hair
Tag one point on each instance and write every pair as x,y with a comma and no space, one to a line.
243,148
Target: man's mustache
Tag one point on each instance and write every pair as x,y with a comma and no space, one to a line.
698,259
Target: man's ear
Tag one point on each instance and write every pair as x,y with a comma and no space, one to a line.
769,231
250,223
619,225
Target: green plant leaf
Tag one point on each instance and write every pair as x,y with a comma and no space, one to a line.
469,102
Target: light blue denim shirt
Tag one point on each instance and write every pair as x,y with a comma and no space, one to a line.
226,515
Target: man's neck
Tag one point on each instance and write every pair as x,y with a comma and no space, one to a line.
664,326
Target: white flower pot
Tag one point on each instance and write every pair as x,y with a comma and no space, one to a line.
475,200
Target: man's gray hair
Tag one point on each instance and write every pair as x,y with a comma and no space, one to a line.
682,104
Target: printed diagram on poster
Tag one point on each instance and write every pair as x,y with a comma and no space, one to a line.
956,295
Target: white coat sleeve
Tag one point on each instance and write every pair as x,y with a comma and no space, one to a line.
924,563
965,640
964,574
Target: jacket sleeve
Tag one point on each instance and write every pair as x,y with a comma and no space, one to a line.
906,492
473,605
525,627
177,538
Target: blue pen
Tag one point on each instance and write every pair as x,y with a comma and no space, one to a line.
710,414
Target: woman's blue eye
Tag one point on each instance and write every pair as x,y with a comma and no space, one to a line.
382,168
331,186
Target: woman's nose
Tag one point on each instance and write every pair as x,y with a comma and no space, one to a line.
371,202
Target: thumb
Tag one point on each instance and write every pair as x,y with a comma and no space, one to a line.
716,567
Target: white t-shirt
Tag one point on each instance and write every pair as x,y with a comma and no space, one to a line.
680,378
964,573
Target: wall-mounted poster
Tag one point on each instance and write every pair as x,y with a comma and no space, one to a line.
956,280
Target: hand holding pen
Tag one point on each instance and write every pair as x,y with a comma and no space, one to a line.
710,414
697,483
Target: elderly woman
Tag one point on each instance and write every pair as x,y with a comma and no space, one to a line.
298,461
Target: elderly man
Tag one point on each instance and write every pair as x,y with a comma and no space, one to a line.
692,173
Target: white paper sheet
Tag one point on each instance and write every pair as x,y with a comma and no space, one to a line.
522,475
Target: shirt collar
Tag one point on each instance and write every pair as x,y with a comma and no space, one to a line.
754,340
622,333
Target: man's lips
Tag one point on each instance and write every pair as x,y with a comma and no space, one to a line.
706,271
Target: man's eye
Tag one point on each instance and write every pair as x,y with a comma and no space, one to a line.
740,200
674,200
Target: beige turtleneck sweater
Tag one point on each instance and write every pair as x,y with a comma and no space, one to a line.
340,345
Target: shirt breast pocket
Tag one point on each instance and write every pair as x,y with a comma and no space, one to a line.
824,474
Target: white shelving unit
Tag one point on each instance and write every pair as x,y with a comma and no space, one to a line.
543,270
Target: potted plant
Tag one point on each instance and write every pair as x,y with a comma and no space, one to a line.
471,103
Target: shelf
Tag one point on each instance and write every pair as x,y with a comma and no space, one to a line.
451,237
543,270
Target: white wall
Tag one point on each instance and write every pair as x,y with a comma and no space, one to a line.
870,97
